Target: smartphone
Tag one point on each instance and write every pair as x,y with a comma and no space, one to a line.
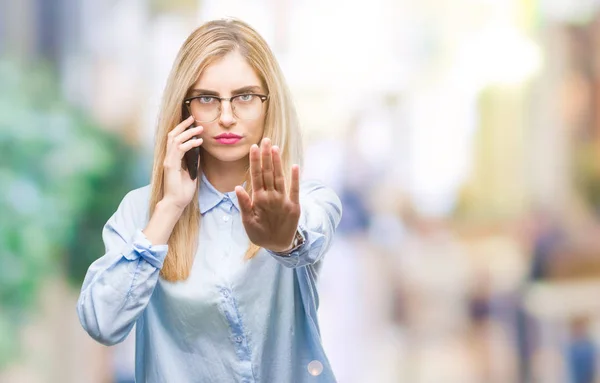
192,155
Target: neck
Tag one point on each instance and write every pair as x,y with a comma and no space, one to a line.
224,176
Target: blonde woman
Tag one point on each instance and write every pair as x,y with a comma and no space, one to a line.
218,271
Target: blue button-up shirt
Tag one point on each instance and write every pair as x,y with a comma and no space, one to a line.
232,320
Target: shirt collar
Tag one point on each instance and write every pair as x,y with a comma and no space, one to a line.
209,197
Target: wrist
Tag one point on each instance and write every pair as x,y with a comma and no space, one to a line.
168,205
162,222
167,213
296,242
285,249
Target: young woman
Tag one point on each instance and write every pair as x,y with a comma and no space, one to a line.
218,272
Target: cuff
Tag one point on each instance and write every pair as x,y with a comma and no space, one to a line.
154,255
294,257
299,235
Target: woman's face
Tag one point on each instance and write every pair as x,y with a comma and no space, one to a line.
229,138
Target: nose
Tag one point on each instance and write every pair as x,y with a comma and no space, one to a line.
226,118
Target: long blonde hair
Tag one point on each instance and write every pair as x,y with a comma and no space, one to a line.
205,45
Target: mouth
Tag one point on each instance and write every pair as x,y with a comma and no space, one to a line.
228,138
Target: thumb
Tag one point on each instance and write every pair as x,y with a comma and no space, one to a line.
244,200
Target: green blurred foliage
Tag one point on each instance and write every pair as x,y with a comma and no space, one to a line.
586,173
61,178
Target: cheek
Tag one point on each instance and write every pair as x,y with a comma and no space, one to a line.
210,129
256,130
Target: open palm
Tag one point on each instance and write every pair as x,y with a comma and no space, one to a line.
271,215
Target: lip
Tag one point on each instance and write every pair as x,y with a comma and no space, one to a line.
228,138
228,135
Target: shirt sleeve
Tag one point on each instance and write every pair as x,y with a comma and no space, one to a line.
118,286
321,212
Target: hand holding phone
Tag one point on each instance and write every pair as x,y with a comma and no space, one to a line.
181,168
192,156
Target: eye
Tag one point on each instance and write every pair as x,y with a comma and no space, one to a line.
206,99
246,97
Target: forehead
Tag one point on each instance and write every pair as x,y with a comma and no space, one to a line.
230,72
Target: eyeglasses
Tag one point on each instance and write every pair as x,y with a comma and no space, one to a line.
207,108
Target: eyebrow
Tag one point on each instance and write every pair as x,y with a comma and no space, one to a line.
242,90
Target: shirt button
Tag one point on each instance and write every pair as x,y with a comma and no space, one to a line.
238,339
226,293
226,218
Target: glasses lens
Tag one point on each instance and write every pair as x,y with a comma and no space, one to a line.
204,109
247,106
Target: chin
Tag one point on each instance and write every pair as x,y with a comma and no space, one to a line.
229,154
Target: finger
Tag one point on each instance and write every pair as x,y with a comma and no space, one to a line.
255,171
267,164
295,187
188,134
278,170
176,152
177,148
244,201
180,128
192,143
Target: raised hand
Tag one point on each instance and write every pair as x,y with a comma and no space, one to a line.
271,215
179,186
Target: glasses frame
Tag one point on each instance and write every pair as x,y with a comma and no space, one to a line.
188,101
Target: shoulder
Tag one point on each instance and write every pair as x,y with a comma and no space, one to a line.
139,195
135,204
132,212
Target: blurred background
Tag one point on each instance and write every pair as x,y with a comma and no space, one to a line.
463,137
